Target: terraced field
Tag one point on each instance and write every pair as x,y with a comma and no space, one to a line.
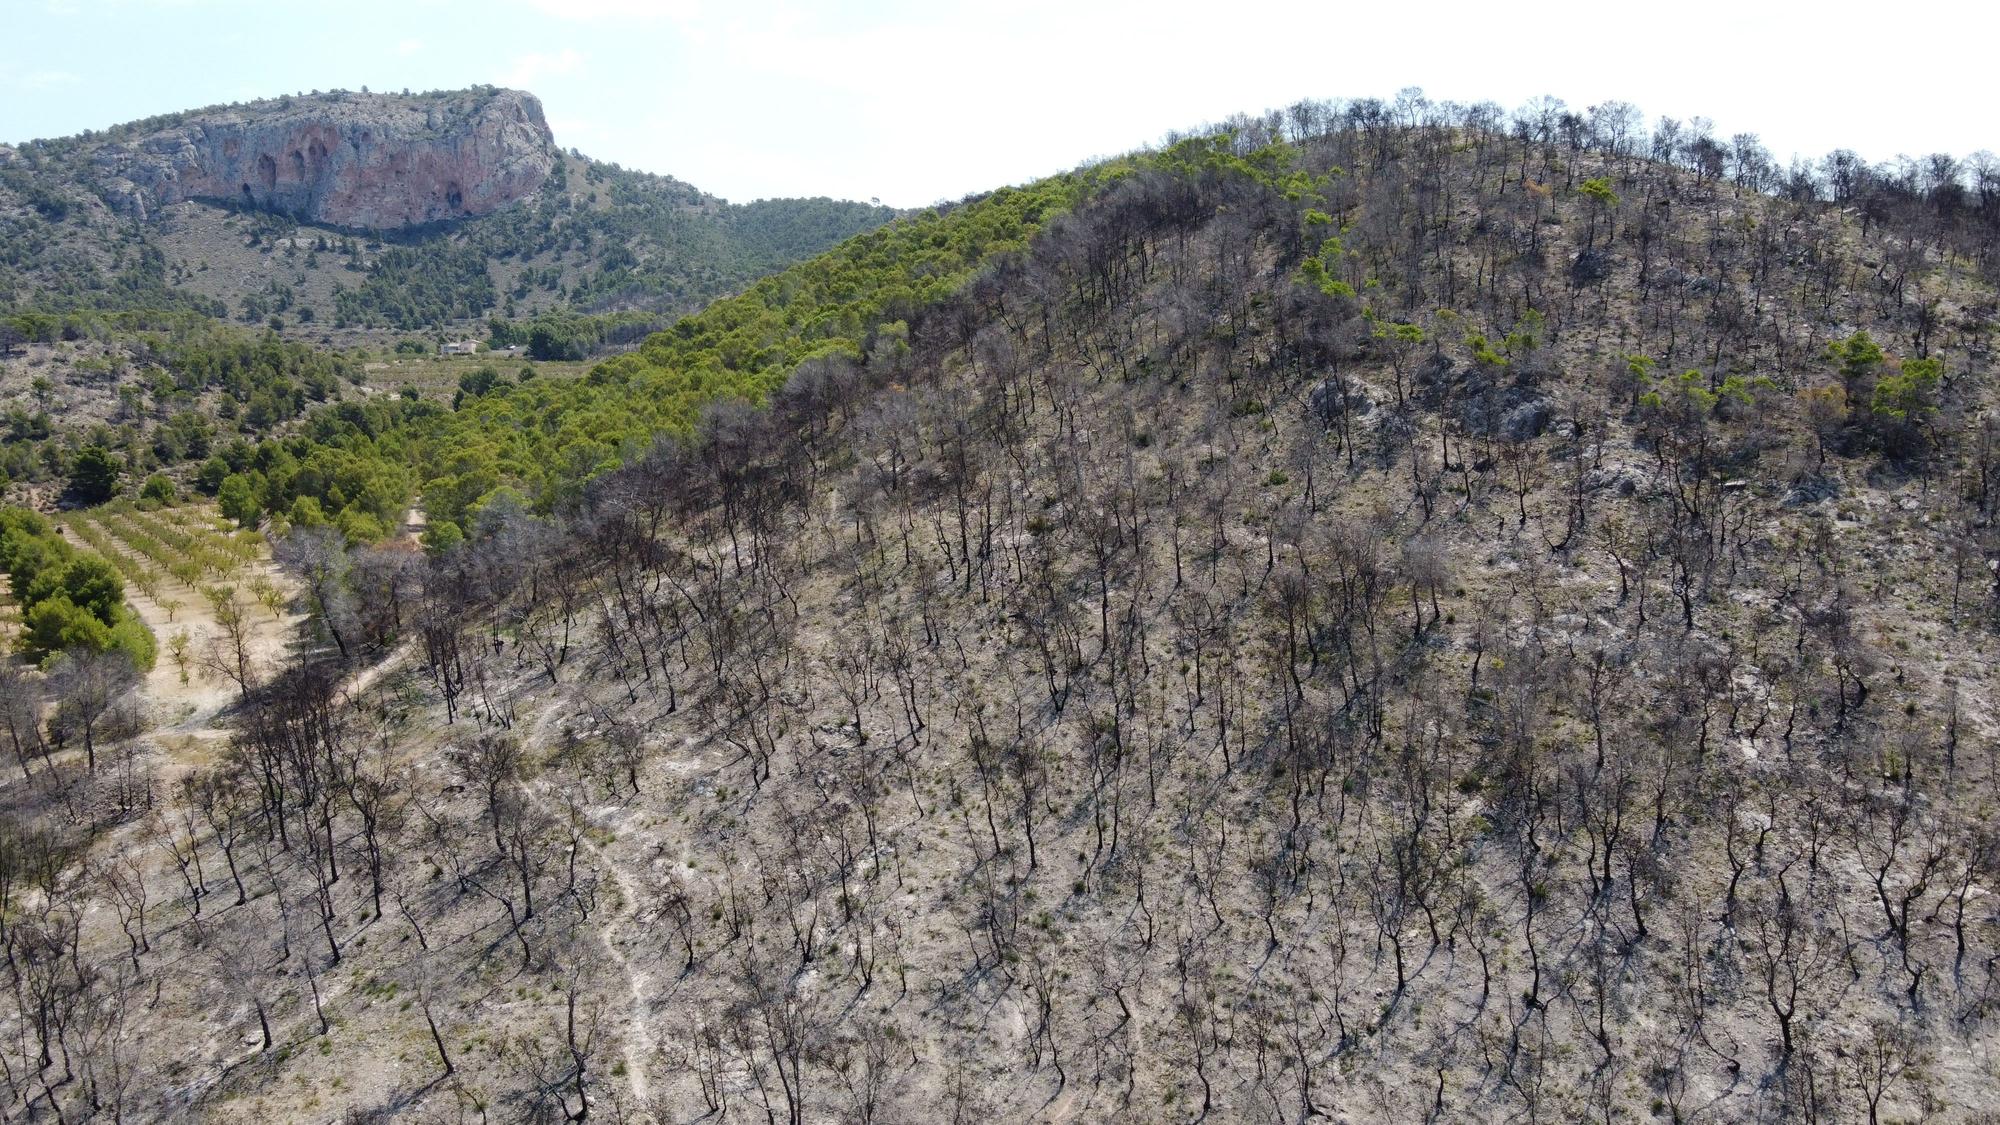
208,591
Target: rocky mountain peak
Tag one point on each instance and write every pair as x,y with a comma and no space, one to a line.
359,160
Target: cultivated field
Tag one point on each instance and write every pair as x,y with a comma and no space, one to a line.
216,604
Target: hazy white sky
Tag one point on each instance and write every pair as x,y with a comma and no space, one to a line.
914,101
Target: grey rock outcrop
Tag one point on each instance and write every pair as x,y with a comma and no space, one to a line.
363,161
1526,421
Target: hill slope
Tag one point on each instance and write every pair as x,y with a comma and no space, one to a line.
1357,616
370,211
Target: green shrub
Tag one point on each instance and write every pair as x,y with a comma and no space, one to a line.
238,501
441,536
93,475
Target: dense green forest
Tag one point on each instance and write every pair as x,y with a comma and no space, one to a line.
359,464
647,242
571,335
414,287
544,440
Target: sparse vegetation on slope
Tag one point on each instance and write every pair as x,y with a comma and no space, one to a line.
1376,611
153,391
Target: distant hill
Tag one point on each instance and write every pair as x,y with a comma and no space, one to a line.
349,213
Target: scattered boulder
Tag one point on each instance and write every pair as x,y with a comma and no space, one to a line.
1435,371
1330,395
1620,479
1526,421
1510,411
1590,265
1807,491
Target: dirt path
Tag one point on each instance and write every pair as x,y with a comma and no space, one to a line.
10,616
364,678
639,1042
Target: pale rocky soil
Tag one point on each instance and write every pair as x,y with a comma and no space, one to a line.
84,397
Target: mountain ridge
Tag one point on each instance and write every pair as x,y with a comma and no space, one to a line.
371,162
466,192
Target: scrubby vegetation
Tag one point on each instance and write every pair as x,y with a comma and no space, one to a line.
655,244
361,464
150,391
412,287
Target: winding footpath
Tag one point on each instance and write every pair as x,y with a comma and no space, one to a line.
639,1042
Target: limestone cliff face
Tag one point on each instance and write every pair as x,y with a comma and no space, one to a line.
367,161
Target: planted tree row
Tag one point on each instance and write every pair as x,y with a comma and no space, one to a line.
215,530
141,576
190,557
219,553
